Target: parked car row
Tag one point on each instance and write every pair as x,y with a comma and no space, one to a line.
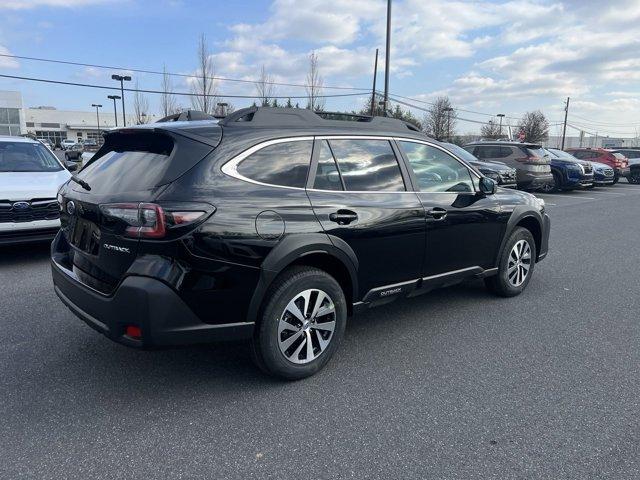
549,169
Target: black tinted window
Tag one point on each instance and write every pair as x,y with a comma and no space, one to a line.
435,170
327,176
368,165
284,164
493,151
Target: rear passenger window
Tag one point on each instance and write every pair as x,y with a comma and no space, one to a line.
368,165
285,164
327,175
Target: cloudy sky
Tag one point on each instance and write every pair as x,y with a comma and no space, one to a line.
489,57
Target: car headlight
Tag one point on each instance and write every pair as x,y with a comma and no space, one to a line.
540,203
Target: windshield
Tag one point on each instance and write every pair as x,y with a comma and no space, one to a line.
27,157
460,152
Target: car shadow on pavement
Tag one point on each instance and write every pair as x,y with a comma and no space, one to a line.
86,365
12,255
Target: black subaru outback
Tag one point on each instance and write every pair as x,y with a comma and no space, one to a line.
275,225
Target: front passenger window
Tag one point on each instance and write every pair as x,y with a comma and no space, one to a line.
436,170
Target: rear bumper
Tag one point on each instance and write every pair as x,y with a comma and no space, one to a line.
162,316
534,181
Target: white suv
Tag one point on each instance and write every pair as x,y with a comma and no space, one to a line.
30,175
67,143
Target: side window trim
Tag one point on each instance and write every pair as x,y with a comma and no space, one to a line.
404,172
231,167
313,168
414,180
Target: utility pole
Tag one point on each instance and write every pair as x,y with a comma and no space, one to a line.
448,110
564,128
387,59
500,116
373,91
115,110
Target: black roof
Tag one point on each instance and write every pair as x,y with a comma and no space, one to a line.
271,117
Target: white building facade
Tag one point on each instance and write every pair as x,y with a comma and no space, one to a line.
12,120
54,124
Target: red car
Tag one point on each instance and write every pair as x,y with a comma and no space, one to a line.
614,158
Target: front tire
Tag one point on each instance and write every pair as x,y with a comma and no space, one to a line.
516,265
301,324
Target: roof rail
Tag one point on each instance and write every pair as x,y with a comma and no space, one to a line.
187,116
298,117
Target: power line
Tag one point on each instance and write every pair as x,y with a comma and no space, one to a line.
455,108
595,122
173,74
190,94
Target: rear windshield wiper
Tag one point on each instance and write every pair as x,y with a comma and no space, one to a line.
81,182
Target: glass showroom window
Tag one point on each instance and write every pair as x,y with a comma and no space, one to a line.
9,121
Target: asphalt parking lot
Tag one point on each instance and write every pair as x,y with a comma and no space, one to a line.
456,384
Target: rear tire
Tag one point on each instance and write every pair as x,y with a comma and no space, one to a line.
288,312
516,265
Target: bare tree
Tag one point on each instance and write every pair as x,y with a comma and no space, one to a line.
265,87
440,120
491,130
314,84
203,85
140,107
535,127
168,103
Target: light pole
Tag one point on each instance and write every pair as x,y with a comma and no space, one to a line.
122,79
500,116
98,119
115,110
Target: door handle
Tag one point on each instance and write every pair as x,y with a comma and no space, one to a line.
437,213
343,217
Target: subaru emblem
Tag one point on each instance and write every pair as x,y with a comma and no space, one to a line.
21,205
71,208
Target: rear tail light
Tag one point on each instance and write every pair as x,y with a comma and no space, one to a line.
532,159
149,220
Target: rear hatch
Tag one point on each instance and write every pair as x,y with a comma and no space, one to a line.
537,159
104,223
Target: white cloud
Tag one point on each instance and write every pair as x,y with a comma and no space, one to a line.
30,4
7,62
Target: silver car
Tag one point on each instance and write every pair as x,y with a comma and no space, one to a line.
30,175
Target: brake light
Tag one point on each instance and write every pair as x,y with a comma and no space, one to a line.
149,220
530,159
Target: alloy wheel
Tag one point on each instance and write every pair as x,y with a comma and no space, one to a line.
306,326
519,263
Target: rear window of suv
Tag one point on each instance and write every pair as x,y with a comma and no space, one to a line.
140,161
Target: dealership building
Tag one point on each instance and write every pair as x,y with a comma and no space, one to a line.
53,124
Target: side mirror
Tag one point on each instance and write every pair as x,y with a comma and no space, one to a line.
487,186
71,166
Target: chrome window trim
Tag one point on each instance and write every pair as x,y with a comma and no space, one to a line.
230,168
